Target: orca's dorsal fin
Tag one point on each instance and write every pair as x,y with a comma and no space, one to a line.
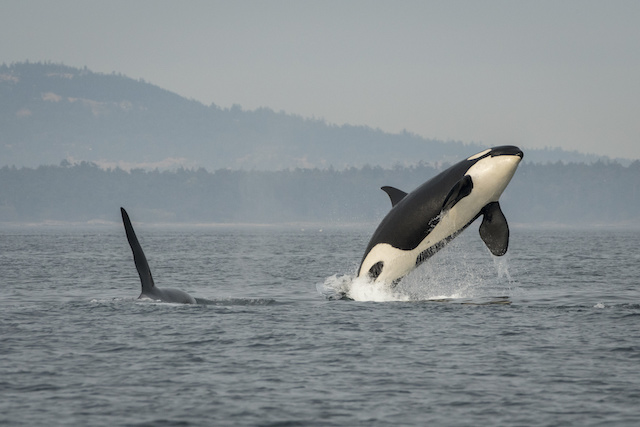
460,190
394,194
138,255
494,229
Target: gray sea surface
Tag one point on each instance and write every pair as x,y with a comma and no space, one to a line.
548,335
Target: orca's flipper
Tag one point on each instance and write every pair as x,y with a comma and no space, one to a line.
459,191
494,229
394,194
138,255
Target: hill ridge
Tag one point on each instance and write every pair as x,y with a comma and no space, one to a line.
50,112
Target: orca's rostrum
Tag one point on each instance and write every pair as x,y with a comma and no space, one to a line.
421,222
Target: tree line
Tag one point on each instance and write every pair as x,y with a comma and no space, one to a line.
598,193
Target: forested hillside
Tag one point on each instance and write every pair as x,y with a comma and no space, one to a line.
574,194
194,163
50,112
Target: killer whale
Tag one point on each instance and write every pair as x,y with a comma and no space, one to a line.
149,289
422,222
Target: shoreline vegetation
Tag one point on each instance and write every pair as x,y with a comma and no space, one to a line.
171,160
602,194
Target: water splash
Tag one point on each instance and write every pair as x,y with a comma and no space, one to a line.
359,289
502,267
453,274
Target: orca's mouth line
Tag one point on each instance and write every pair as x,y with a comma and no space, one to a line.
507,150
518,154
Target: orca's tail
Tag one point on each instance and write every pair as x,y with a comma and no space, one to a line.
138,255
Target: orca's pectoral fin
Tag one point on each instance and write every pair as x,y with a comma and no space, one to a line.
459,191
138,255
494,229
394,194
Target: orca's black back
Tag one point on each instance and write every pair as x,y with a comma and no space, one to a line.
411,220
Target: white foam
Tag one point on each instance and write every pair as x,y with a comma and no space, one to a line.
358,289
454,273
364,289
418,289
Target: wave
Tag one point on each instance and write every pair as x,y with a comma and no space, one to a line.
200,301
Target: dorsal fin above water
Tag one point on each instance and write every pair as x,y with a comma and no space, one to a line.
394,194
138,254
494,229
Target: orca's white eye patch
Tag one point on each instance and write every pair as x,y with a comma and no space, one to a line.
480,154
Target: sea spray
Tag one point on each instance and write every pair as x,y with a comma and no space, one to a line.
359,289
457,272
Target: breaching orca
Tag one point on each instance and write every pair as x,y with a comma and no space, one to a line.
421,222
149,289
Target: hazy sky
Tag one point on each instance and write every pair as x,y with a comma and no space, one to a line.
532,73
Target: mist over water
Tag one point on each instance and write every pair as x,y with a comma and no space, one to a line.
546,335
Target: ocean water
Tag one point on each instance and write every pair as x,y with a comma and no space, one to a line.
548,335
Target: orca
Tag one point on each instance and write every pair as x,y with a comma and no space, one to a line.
422,222
149,289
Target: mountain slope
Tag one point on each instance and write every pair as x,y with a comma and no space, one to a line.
50,112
